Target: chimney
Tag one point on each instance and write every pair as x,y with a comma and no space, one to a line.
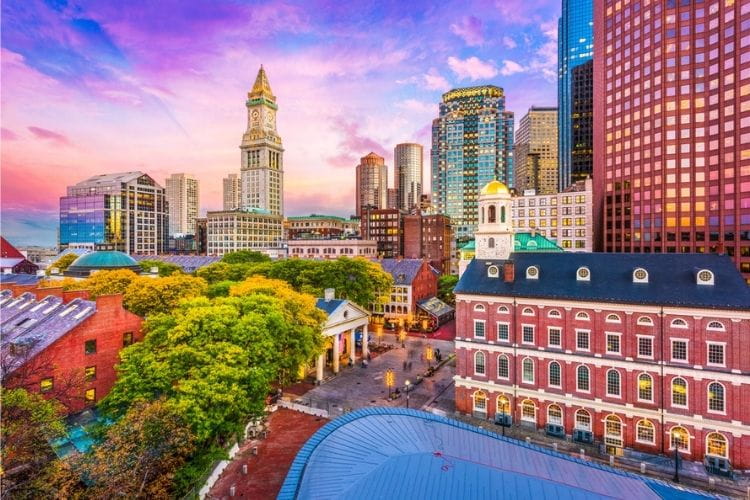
329,294
509,272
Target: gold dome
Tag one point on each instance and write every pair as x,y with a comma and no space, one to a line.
495,187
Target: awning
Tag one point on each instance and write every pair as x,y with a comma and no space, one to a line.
435,307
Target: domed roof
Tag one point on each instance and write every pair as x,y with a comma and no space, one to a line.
495,187
104,259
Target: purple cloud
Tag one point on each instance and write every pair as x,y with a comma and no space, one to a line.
352,145
49,135
8,135
470,30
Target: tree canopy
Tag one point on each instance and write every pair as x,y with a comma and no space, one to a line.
62,263
145,296
446,284
245,257
165,268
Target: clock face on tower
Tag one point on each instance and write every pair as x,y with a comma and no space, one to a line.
255,116
270,119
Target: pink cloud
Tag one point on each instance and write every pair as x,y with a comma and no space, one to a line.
511,68
434,81
470,30
472,68
46,134
352,145
8,135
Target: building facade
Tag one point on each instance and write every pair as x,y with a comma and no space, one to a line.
262,156
315,226
232,192
123,211
535,151
565,218
581,123
201,235
371,184
384,227
392,198
407,165
233,230
428,237
183,199
671,141
575,47
472,143
332,248
414,280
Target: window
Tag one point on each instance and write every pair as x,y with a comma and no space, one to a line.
582,316
90,347
645,347
679,323
640,275
645,387
479,363
528,334
90,373
582,340
554,337
528,311
554,313
613,343
480,402
715,354
46,385
613,383
680,439
554,374
613,318
554,415
613,430
715,326
502,310
583,274
716,445
679,392
479,308
493,271
90,395
478,329
532,273
645,321
705,277
503,405
127,339
503,331
679,350
528,411
528,371
716,397
583,420
644,432
582,379
503,367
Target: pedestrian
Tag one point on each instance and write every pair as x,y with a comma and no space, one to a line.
404,366
409,365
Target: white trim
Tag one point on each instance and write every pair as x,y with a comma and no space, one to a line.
650,321
588,334
671,393
687,350
549,313
607,320
549,344
533,332
705,444
524,313
497,363
619,384
619,343
582,316
638,346
588,369
503,310
723,402
638,388
709,343
484,363
714,329
479,308
653,435
669,439
497,331
484,329
678,325
533,371
549,367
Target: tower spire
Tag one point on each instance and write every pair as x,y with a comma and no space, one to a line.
261,87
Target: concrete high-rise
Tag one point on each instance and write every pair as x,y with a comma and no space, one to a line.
535,151
407,167
672,127
575,47
262,157
183,196
232,192
472,144
372,184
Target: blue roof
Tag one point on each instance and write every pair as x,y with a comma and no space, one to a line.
328,306
397,453
20,279
671,279
104,259
188,263
403,270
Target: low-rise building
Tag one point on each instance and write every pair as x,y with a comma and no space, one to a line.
428,237
383,226
319,227
332,249
414,280
13,261
252,229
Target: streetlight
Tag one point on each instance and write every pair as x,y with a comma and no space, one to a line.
428,352
676,441
407,385
390,380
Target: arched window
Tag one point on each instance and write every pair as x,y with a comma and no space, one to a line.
716,445
582,316
502,213
554,313
502,310
479,308
613,383
613,430
582,379
528,411
679,438
613,318
554,374
503,405
491,214
480,401
645,321
679,323
503,366
644,432
583,420
716,326
528,370
491,243
482,212
554,415
679,392
528,311
645,387
479,368
716,397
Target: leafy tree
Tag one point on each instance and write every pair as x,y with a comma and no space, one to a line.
245,257
221,271
100,283
145,296
446,284
294,271
28,423
165,268
62,263
220,289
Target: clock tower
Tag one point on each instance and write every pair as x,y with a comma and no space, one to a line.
262,157
494,235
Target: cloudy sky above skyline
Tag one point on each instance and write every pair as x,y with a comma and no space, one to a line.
107,86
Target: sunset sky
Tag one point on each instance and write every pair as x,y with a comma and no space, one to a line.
92,87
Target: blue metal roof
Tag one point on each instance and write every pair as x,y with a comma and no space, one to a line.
20,279
671,279
397,453
403,270
188,263
328,306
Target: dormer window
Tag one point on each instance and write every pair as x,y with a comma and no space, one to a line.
705,277
640,275
583,274
532,273
493,272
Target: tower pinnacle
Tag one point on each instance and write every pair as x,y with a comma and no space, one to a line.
261,87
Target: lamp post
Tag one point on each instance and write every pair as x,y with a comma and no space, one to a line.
407,385
390,380
676,442
428,352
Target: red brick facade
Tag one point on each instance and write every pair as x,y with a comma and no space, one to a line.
428,237
628,354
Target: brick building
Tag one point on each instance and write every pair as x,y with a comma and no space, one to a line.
13,261
383,226
332,248
414,280
319,227
63,345
428,237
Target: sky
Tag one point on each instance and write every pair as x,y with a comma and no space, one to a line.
90,87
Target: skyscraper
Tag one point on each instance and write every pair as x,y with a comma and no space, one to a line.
262,162
232,192
582,123
407,165
472,144
183,198
535,151
575,47
372,183
672,127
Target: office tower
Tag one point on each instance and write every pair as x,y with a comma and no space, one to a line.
671,127
472,144
384,227
535,151
407,165
582,123
183,195
372,183
262,165
232,192
575,47
123,211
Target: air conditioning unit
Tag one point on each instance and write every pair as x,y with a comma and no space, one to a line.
503,419
583,436
717,465
555,430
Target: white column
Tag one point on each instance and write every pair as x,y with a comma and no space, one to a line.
336,353
365,339
352,345
319,364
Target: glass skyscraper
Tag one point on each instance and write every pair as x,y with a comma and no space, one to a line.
575,47
472,144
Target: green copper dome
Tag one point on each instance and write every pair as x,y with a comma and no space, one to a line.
103,260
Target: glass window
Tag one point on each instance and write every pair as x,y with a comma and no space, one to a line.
503,332
645,387
716,354
613,383
480,401
528,334
90,373
479,368
716,445
528,411
90,347
613,430
503,368
582,378
479,329
679,392
644,432
528,371
503,405
716,397
679,350
583,420
645,347
680,438
46,384
613,343
554,415
555,337
90,395
582,340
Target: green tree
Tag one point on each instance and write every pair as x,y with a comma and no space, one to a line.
165,268
62,263
220,289
245,257
221,271
145,296
446,284
101,283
